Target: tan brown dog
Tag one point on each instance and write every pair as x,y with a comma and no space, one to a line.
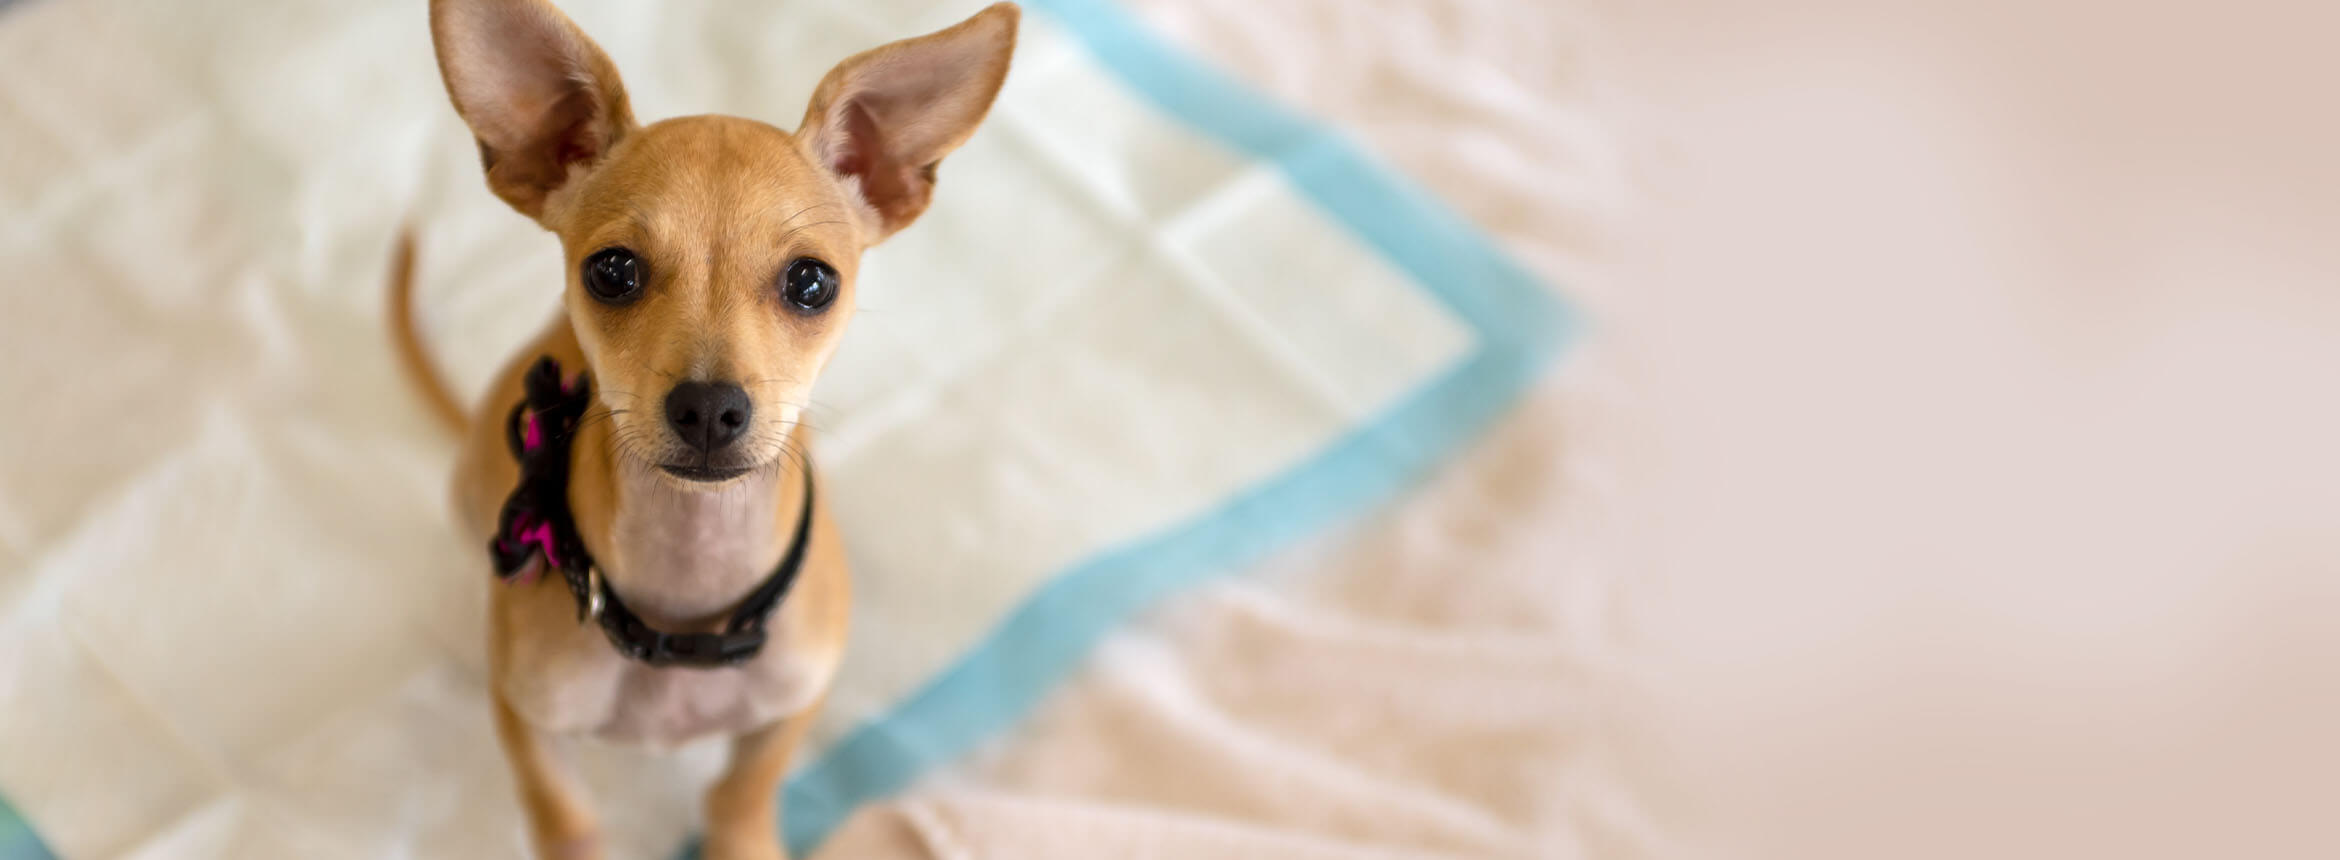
711,267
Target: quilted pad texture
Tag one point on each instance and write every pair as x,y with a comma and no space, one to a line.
1152,327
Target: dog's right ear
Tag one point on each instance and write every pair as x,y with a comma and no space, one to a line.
543,101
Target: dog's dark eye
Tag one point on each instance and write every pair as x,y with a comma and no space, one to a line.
613,275
809,284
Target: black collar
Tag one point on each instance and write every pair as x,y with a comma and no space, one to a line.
536,522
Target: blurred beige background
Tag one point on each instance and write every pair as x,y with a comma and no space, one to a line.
1951,473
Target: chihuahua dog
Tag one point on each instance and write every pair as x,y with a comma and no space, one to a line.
646,449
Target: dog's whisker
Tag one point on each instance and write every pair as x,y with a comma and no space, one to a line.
800,212
784,237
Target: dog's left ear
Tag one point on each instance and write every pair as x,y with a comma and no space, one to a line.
884,118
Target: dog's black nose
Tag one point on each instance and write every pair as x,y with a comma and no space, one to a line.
708,415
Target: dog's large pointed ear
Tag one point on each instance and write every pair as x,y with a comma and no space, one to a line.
544,101
884,118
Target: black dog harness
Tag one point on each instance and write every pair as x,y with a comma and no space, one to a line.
536,523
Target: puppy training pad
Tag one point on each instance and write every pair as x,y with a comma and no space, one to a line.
1151,328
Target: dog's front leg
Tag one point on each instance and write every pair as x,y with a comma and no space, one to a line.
743,807
560,819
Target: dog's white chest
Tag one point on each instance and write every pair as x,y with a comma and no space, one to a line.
671,706
568,679
688,555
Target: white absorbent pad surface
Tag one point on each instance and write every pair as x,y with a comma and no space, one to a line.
1150,328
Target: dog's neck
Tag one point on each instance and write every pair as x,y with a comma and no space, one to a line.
683,557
